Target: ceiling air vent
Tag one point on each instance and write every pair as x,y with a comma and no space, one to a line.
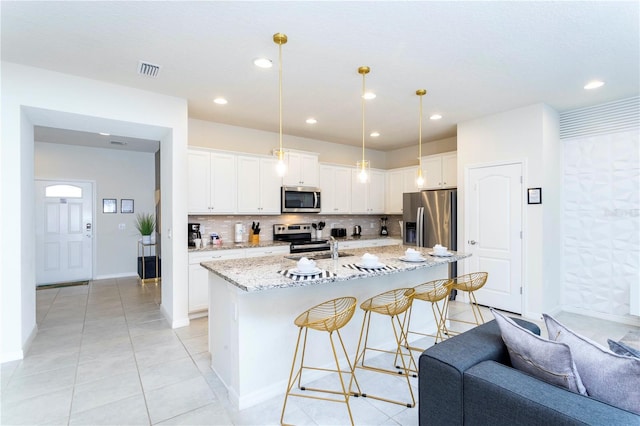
148,69
121,143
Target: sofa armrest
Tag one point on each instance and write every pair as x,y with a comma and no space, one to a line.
441,368
499,395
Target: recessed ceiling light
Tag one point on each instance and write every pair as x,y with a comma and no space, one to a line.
262,63
374,134
435,117
220,101
594,84
104,134
311,121
369,95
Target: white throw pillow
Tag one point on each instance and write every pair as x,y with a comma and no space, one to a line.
547,360
611,378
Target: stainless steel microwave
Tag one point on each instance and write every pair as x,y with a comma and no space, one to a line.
300,199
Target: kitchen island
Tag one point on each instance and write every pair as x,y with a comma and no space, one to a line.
252,306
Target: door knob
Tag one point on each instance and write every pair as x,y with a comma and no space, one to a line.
472,242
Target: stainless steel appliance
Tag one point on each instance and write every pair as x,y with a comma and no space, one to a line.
430,218
193,232
357,230
300,199
383,226
300,237
338,232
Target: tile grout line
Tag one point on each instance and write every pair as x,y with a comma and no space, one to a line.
75,376
135,358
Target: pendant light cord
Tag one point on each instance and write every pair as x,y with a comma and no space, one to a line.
363,92
280,154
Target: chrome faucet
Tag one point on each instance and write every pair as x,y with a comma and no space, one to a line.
334,248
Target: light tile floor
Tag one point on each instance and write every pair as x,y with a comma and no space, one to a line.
105,355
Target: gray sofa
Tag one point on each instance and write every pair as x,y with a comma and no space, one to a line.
468,379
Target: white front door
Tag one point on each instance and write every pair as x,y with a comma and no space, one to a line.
494,233
64,231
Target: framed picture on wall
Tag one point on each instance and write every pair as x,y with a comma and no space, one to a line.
534,196
109,205
126,205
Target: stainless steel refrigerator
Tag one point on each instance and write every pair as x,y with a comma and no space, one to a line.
430,218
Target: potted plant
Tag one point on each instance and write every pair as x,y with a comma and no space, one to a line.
146,224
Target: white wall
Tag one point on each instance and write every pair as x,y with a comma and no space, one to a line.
32,96
408,156
240,139
602,225
523,135
117,174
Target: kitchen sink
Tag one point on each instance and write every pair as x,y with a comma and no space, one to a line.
315,256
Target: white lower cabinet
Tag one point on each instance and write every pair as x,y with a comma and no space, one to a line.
380,242
267,251
199,278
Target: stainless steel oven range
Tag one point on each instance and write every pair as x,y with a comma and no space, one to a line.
299,235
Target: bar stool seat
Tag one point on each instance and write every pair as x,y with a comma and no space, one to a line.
434,292
330,317
393,303
470,283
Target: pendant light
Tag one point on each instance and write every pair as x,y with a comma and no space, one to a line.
363,165
420,179
281,166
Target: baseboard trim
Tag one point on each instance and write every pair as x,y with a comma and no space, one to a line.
111,276
183,322
18,355
629,320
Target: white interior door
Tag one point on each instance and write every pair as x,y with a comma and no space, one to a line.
64,231
494,233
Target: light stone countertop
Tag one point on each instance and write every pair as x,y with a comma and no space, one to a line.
258,274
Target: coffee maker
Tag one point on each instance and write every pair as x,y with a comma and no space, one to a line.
383,226
193,232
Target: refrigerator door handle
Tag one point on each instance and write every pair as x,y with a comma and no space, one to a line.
420,227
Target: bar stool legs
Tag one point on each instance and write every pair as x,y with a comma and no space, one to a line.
470,283
329,316
393,304
435,291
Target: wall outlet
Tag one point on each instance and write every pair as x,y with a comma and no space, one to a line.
122,226
372,225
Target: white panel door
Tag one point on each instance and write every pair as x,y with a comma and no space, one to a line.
64,231
270,184
375,196
199,182
249,178
223,183
494,212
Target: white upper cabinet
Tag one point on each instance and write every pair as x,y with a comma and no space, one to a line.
440,171
368,197
302,169
399,181
258,185
211,182
335,183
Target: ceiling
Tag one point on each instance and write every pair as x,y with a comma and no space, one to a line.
474,58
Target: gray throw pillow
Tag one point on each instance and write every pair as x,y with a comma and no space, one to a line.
622,349
546,360
611,378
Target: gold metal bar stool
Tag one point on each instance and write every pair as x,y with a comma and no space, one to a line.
393,304
433,291
470,283
329,316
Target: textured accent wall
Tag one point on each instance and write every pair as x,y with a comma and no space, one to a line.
601,222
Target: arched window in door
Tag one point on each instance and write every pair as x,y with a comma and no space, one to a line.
63,191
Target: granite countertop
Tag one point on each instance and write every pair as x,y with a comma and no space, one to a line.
257,274
270,243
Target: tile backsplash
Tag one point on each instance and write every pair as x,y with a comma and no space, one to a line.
223,225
